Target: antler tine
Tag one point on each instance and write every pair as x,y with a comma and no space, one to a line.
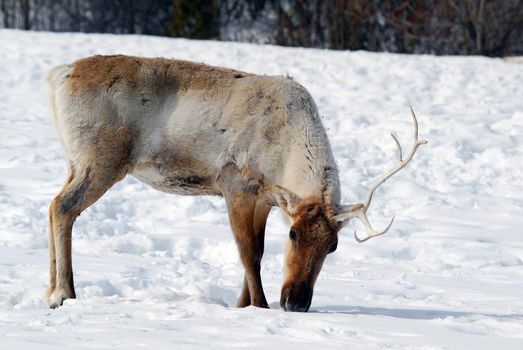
370,231
400,152
415,122
359,211
418,142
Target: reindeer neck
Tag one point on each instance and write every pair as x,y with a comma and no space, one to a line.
311,170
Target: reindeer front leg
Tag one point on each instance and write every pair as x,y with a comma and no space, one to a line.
241,209
261,212
247,217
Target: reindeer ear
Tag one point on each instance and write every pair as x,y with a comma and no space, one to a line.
286,199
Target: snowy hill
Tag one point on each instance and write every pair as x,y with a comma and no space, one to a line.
160,271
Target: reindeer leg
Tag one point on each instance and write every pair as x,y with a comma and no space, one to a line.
52,252
245,297
86,186
261,212
241,210
247,224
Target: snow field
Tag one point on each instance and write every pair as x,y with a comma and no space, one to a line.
154,270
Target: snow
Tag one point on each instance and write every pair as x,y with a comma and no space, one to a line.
160,271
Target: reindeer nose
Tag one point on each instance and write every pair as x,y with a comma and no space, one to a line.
296,298
295,307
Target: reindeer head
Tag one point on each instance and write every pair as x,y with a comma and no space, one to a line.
314,233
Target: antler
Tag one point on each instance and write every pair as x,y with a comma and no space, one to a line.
359,210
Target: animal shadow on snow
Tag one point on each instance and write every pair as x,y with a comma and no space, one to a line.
414,314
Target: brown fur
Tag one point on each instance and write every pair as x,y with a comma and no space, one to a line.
164,75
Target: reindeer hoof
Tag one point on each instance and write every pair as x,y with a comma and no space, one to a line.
57,297
262,304
243,303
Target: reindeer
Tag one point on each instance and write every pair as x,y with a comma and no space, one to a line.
193,129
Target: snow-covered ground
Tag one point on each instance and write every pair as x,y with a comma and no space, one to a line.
159,271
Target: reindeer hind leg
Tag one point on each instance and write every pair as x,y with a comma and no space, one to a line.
52,252
86,186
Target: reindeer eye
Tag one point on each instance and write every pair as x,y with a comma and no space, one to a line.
293,235
333,247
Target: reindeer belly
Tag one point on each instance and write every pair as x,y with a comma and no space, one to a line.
175,180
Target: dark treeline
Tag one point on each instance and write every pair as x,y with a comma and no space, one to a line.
485,27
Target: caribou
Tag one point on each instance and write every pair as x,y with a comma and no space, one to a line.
193,129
